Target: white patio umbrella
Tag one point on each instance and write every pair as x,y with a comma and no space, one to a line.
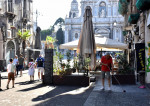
103,43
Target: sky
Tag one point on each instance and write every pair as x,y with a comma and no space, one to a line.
50,10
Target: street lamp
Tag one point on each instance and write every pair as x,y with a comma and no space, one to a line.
115,23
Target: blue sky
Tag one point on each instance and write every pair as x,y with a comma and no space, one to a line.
50,10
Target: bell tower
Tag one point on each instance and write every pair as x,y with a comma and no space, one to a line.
74,12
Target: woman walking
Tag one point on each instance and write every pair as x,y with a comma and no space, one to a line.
31,69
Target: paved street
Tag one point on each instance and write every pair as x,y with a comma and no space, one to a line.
27,94
133,96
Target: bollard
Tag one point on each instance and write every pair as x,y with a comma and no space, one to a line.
0,81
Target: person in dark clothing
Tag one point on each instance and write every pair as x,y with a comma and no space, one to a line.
40,66
21,64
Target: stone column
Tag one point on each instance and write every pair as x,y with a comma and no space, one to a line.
48,66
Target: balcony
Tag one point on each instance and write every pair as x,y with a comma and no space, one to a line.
10,11
143,5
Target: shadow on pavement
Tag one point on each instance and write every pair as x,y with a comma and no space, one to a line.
32,88
27,82
63,95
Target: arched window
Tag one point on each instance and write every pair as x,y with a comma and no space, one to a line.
102,9
76,35
74,15
70,15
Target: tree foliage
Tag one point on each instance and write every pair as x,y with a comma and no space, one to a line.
49,31
60,36
59,21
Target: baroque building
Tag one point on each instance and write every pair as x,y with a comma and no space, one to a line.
106,19
14,15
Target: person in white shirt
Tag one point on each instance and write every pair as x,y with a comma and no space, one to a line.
11,70
15,62
31,66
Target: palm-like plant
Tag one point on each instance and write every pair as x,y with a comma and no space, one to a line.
23,36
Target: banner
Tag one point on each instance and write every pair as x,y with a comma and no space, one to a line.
140,56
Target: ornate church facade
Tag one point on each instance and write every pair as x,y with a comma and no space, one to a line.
106,19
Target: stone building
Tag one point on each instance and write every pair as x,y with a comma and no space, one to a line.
14,15
137,32
106,19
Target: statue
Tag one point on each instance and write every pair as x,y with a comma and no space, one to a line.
38,38
102,13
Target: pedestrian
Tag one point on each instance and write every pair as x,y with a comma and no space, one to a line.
0,81
31,66
26,63
40,66
107,64
11,70
21,64
15,62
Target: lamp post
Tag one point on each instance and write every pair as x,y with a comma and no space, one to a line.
114,24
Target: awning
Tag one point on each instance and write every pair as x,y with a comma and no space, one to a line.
143,4
133,18
123,5
101,42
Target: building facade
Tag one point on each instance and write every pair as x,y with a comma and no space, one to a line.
137,33
14,15
106,19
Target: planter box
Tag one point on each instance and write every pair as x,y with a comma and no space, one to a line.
73,80
123,79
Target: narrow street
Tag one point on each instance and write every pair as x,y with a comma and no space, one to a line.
27,94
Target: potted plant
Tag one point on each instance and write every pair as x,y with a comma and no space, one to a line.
125,74
87,67
68,67
64,72
75,65
49,42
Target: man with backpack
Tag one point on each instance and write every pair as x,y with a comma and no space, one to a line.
40,66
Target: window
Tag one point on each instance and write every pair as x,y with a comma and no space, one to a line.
102,9
74,15
76,35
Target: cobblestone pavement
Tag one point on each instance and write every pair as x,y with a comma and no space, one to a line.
133,96
27,94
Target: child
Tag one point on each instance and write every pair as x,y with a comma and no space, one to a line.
11,70
31,69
